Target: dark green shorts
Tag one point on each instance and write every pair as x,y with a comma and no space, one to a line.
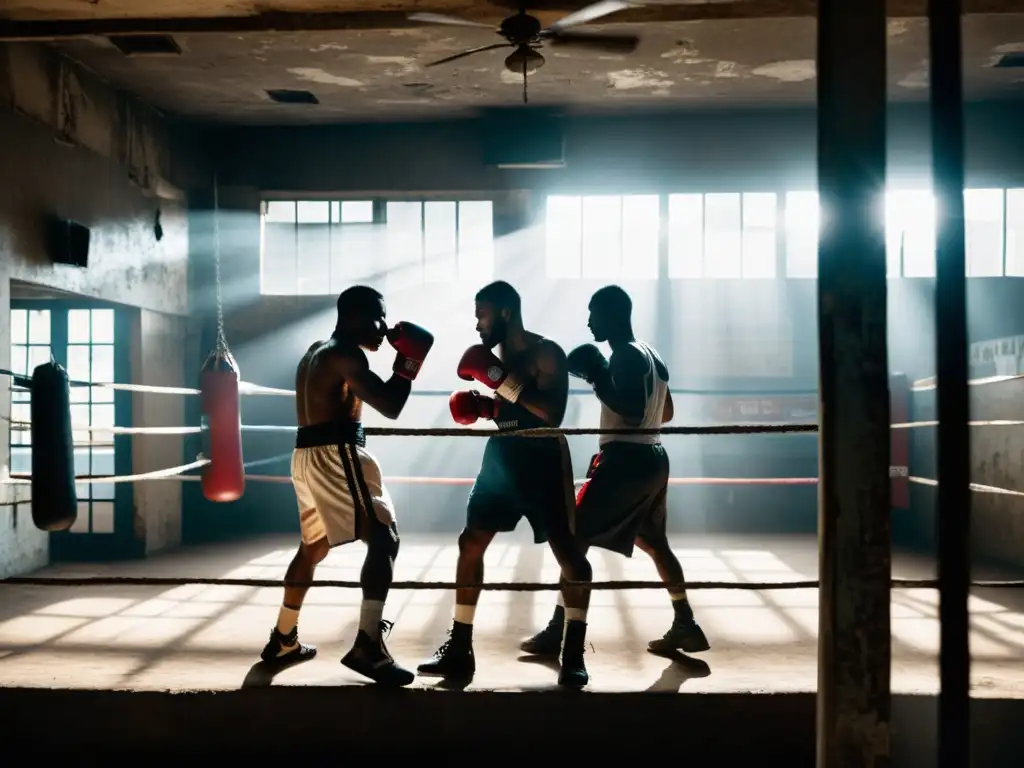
521,477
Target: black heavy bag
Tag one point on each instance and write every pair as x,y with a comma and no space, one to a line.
54,497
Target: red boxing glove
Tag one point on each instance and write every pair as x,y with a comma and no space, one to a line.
412,343
480,364
467,406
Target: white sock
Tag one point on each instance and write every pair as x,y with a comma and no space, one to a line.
287,620
464,614
370,614
576,614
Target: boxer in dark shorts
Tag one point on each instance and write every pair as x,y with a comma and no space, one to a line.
622,503
519,477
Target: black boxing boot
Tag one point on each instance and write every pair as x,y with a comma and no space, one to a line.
284,650
684,635
547,642
454,660
371,658
573,673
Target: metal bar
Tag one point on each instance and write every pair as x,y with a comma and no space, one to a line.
855,555
952,395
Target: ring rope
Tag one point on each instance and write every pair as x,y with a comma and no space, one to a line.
156,474
506,586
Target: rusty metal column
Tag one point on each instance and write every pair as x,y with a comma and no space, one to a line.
954,559
855,560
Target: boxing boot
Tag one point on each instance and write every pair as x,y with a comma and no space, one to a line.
547,642
370,657
574,673
454,660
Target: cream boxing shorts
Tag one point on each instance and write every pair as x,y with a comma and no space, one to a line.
339,488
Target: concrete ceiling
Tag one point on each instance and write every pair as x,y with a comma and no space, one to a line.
363,61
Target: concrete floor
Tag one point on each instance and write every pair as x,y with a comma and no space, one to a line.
194,638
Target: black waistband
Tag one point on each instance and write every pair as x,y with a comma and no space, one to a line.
330,433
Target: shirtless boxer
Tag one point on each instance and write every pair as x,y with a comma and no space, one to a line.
338,482
622,503
519,477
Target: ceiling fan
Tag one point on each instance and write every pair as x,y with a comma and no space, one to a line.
525,34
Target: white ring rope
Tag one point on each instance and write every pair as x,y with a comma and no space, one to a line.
157,474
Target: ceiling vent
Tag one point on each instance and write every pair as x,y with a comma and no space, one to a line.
292,97
145,45
1013,60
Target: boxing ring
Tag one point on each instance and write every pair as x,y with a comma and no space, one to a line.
194,620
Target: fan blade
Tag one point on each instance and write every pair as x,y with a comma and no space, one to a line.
591,12
608,43
437,18
470,52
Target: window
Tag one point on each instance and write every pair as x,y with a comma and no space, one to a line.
1015,233
30,347
910,233
983,224
318,247
803,222
592,237
722,235
90,356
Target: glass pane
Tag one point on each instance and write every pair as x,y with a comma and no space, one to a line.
78,326
476,241
723,235
685,236
357,212
19,359
641,218
1015,232
313,263
78,362
102,517
82,490
81,524
103,461
37,356
910,232
277,258
39,326
80,418
102,326
103,491
102,364
21,461
102,415
280,211
313,212
983,221
404,264
759,234
602,237
803,218
19,326
563,232
440,241
21,412
82,462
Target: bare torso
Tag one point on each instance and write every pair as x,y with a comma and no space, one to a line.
523,362
321,395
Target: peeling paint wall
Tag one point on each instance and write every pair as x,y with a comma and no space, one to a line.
71,147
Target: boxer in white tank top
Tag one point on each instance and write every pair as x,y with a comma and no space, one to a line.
622,504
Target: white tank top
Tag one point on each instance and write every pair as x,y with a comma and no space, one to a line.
657,392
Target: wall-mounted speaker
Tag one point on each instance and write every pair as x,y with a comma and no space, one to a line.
67,242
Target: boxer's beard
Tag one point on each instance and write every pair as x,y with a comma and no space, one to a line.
497,333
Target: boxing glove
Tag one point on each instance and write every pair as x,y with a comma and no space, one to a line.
480,364
412,342
586,362
467,406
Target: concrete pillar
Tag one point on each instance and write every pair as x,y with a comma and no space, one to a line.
853,521
952,398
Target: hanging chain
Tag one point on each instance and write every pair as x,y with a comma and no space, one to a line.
222,343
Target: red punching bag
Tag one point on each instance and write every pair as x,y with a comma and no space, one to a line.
224,476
